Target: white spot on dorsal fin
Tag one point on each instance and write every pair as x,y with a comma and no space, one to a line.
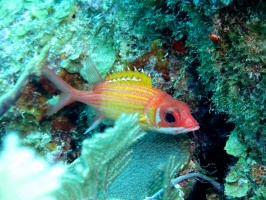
134,78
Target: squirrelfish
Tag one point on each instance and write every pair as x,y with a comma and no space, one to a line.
127,92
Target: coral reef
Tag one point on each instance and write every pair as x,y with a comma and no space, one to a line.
210,54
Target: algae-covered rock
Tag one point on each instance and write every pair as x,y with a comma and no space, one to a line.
234,146
237,181
8,10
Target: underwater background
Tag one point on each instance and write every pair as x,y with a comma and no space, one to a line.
210,54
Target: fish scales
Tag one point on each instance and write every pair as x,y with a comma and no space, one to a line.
113,99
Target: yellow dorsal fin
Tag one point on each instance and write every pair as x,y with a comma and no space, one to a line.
134,77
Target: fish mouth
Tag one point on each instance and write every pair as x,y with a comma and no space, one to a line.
195,128
187,130
174,130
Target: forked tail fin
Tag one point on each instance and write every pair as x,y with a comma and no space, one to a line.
64,98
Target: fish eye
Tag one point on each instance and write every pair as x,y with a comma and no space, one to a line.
169,118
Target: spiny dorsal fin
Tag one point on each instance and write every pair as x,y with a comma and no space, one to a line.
134,77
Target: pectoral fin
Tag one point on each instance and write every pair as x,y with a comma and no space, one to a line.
142,119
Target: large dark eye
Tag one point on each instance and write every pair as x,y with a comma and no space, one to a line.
169,118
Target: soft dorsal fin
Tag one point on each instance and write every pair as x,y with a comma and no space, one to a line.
91,73
134,77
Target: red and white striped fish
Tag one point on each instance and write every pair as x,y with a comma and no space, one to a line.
127,92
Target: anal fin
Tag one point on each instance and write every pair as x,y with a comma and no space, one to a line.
96,122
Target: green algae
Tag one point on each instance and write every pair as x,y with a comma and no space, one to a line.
234,146
237,182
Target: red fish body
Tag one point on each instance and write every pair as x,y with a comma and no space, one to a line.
129,92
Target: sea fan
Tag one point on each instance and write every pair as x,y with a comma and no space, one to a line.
103,158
